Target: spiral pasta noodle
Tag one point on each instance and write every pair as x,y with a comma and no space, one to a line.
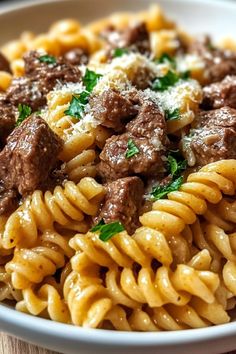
32,265
7,290
45,302
40,211
88,300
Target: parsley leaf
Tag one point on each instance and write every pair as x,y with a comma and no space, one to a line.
185,74
24,112
172,115
159,192
79,101
49,59
77,105
164,82
90,79
118,52
132,149
175,166
108,230
166,59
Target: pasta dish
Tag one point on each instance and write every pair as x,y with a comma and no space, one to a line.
118,174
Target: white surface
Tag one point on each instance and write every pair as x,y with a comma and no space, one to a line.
215,17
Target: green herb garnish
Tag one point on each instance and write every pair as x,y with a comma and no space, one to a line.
132,149
172,115
90,79
118,52
160,192
77,104
24,112
166,59
185,74
164,82
176,167
108,230
48,59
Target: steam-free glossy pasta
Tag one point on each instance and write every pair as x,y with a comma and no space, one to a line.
118,209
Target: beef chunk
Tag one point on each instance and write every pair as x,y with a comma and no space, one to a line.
112,109
135,38
220,94
4,63
26,91
222,117
8,200
213,144
29,155
219,63
148,132
76,56
50,73
7,119
123,202
214,137
149,123
114,164
40,78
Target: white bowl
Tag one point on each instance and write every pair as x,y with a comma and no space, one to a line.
214,17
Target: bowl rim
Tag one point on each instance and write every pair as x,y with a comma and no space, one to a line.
10,318
15,6
46,327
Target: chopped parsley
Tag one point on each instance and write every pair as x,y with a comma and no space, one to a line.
48,59
160,192
164,82
185,74
176,165
166,59
132,149
90,79
24,112
172,115
108,230
118,52
78,102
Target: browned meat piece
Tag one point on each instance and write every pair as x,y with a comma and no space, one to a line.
148,132
29,155
135,38
8,200
7,119
222,117
39,79
219,62
26,91
213,144
50,73
112,109
220,94
214,137
76,56
149,123
123,202
4,63
114,164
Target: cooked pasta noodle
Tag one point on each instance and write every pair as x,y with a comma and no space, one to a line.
40,211
32,265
